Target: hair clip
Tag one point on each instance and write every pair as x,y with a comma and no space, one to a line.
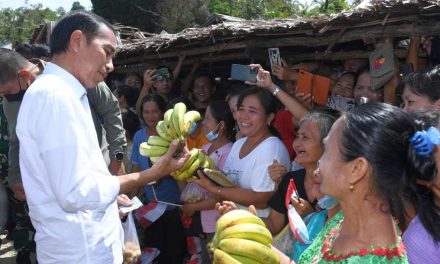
423,141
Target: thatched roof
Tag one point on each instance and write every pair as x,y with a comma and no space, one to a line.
314,37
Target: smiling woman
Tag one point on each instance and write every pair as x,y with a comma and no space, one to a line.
247,163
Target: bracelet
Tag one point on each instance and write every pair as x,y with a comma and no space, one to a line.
276,91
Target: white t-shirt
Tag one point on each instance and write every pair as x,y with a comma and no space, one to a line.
70,192
251,172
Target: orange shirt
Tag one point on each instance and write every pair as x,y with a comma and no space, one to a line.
197,140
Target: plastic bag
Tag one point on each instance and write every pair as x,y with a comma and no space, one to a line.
132,249
193,193
284,241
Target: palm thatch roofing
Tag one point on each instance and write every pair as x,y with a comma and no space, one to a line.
323,37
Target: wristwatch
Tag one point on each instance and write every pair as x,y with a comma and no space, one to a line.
118,155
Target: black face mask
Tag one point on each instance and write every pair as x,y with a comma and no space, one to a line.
15,97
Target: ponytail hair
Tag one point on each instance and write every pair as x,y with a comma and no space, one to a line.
424,168
381,134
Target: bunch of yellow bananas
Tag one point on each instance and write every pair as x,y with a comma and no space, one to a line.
242,237
197,159
176,125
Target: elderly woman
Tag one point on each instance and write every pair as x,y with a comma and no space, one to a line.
363,164
313,128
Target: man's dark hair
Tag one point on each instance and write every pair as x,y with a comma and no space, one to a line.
40,51
24,49
89,23
11,62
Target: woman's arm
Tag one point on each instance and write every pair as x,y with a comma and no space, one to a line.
292,104
148,76
191,208
275,221
236,194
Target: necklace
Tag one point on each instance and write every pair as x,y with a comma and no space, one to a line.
396,250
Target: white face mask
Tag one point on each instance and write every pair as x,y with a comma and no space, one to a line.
327,202
211,136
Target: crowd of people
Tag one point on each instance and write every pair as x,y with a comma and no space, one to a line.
364,165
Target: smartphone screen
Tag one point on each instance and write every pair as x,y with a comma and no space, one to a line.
274,57
162,74
243,73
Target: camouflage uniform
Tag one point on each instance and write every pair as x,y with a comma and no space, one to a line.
20,226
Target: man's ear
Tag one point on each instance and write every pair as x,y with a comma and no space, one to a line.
25,76
75,40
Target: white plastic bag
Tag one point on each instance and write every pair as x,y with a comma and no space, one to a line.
193,193
132,249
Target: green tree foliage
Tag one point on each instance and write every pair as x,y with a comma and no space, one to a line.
153,15
327,7
252,9
175,15
18,25
77,6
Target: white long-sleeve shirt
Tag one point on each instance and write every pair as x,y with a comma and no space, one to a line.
70,192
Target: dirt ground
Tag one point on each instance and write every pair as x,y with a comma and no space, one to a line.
7,252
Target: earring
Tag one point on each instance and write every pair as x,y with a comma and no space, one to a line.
351,187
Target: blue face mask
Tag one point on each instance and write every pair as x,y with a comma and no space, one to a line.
211,136
327,202
193,128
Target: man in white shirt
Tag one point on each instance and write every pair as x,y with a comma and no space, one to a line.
70,192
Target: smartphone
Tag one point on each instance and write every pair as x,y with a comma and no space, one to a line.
305,81
316,85
243,73
274,57
162,74
321,89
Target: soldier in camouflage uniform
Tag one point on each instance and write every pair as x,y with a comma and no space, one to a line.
20,227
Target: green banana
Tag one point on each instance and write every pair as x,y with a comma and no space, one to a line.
221,257
151,151
236,217
211,164
169,123
253,232
195,165
206,164
244,260
249,249
162,131
184,173
154,159
177,118
188,119
194,153
158,141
